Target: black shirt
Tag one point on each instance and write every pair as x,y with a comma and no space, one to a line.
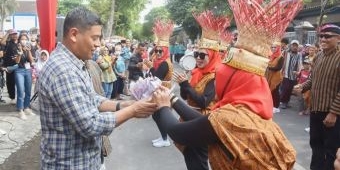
11,50
134,71
161,71
203,100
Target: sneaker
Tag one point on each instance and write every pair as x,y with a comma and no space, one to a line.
276,110
161,143
307,129
13,102
283,106
29,112
2,132
156,140
302,113
22,115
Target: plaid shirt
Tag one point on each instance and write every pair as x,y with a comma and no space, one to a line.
70,120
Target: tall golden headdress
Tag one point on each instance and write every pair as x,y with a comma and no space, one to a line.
226,38
163,30
211,27
259,24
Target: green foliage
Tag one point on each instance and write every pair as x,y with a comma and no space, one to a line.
102,8
7,8
126,13
155,13
181,12
137,32
64,6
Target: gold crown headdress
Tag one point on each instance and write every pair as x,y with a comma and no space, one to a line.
259,24
163,30
211,26
226,38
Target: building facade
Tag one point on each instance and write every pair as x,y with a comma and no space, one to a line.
25,16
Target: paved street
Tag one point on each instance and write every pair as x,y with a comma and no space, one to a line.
132,148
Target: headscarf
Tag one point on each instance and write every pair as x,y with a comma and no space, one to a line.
198,73
158,60
243,88
40,64
276,53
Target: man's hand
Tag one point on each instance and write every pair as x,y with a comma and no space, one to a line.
139,65
337,160
330,120
297,89
99,60
144,108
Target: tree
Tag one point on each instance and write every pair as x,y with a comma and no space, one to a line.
64,6
181,12
323,5
155,13
111,19
7,8
126,14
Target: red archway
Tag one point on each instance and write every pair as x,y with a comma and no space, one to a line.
47,12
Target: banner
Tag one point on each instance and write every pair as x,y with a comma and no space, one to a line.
47,12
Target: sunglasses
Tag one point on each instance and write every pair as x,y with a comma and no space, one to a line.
326,36
159,51
200,55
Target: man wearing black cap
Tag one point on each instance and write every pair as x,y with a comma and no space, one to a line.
324,84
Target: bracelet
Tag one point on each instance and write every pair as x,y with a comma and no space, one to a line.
173,100
172,97
118,106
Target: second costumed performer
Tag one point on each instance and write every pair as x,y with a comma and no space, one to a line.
239,130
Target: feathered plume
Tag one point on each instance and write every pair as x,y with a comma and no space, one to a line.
211,29
211,25
260,23
163,30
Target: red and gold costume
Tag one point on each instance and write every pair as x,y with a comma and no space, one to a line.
163,31
242,115
200,77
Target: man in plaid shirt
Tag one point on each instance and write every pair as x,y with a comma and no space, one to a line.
69,107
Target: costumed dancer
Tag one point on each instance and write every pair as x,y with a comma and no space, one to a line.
161,65
200,90
239,130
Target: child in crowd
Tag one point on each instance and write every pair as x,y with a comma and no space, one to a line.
304,99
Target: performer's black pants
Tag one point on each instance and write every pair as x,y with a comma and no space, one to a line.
276,96
196,133
323,141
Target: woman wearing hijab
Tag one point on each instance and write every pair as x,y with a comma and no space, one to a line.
161,67
42,59
200,90
239,130
274,75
